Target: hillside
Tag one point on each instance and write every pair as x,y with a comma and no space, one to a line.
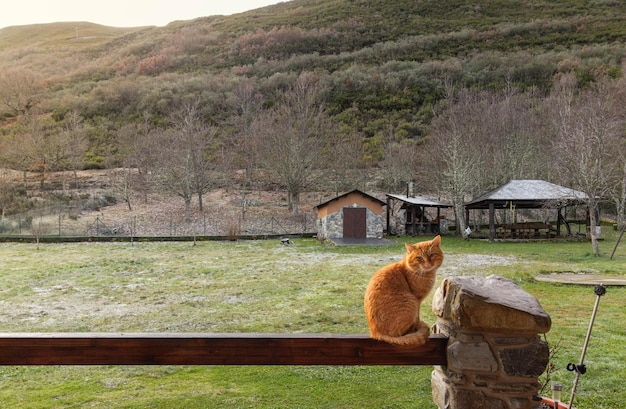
374,51
50,37
385,67
92,209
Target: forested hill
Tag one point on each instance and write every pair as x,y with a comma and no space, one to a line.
386,64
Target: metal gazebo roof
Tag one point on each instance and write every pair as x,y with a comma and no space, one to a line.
527,193
419,201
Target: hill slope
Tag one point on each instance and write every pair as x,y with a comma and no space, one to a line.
386,63
386,67
473,43
82,34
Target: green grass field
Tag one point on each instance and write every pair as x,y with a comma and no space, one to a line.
261,286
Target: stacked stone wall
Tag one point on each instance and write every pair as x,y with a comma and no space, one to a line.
331,226
495,354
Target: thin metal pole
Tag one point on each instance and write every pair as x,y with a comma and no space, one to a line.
618,240
580,369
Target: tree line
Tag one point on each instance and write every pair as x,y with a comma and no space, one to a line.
573,136
477,139
185,149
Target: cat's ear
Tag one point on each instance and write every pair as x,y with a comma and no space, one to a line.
409,248
437,241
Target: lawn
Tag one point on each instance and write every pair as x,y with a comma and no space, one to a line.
262,286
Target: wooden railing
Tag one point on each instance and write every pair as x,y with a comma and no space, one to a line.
467,346
212,349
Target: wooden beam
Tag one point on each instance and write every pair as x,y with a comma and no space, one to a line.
492,224
212,349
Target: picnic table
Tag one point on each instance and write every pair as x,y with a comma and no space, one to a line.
525,231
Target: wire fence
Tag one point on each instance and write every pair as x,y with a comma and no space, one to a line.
62,221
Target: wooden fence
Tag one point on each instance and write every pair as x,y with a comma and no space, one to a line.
492,358
212,349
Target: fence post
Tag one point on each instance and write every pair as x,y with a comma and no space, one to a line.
495,354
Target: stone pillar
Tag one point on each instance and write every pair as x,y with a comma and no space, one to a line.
495,354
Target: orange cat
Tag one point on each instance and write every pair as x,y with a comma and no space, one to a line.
395,293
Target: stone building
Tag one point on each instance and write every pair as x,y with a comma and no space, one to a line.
351,215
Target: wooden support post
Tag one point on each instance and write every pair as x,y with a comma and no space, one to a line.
212,349
492,224
388,209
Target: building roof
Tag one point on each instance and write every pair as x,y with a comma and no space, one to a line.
419,201
355,191
529,193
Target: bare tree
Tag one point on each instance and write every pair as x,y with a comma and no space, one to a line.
39,229
73,142
196,139
244,104
173,167
295,134
19,90
13,153
7,193
453,159
121,182
35,150
345,165
618,190
182,163
138,146
40,145
618,193
512,137
400,161
589,128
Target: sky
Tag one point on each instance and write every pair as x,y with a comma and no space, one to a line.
120,13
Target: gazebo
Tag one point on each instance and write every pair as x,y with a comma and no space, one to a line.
415,219
527,194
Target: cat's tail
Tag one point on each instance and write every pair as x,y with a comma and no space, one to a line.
420,337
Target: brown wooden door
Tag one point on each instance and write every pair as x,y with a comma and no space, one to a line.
354,222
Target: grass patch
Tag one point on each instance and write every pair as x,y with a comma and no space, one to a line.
261,286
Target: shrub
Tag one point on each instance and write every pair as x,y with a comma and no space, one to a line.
97,202
25,221
5,226
233,229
